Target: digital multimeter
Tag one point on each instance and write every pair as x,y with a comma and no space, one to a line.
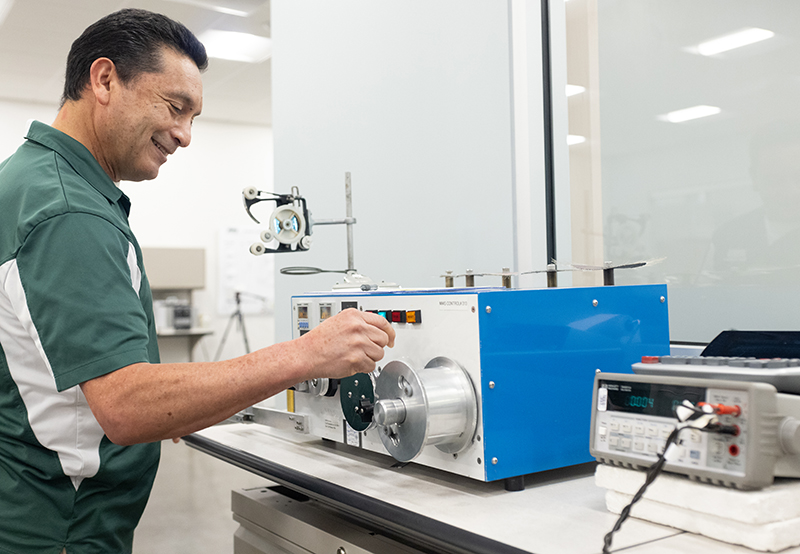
632,416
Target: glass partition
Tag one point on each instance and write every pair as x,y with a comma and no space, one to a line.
686,142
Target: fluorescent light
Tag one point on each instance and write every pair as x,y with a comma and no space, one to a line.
239,8
575,139
572,90
733,40
5,7
687,114
241,47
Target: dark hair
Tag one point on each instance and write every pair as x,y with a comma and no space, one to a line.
133,39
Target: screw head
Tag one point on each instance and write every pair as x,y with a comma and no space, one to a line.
595,303
341,550
491,384
488,309
494,461
663,299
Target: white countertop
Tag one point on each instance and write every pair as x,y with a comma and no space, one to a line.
562,513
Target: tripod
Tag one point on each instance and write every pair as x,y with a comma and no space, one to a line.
235,316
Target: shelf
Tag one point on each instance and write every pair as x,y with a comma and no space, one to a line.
193,332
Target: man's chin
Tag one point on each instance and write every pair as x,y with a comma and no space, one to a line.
148,175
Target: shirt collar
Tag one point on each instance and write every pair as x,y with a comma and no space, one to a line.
81,160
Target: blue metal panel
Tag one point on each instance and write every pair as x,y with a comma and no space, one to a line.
540,349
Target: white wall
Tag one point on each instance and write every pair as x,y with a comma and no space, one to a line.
414,99
197,193
14,119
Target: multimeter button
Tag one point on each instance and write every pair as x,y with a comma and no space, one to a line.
638,429
625,443
602,430
652,431
613,441
638,445
652,447
771,364
614,426
665,433
626,428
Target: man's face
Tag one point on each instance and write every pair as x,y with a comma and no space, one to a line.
150,118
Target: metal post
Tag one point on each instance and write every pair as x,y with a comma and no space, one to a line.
552,276
348,192
506,278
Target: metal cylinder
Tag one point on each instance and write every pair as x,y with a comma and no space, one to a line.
437,404
470,278
448,279
506,278
389,412
608,276
552,276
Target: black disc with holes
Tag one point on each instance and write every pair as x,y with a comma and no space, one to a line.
358,399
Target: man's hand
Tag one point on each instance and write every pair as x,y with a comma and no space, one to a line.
350,342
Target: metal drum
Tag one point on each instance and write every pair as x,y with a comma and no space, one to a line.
433,406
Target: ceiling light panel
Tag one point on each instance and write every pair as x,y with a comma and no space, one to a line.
5,7
241,8
241,47
732,41
687,114
572,90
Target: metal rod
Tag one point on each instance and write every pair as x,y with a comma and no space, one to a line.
348,192
549,157
345,221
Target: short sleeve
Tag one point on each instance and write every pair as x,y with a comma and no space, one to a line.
79,273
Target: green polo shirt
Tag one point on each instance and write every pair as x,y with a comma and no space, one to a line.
74,305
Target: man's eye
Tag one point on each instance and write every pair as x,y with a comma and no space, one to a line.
176,108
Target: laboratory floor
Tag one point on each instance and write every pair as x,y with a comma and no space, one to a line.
190,508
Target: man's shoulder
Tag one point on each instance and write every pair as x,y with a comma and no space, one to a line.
37,185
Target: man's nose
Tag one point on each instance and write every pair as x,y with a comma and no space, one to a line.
182,133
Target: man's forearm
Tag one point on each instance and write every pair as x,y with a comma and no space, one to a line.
149,402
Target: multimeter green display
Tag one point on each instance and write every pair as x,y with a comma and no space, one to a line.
648,398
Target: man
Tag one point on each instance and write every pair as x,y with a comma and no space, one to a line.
83,399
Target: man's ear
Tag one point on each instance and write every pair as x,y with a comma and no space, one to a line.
102,77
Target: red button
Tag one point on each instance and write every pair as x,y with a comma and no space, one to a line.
651,359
